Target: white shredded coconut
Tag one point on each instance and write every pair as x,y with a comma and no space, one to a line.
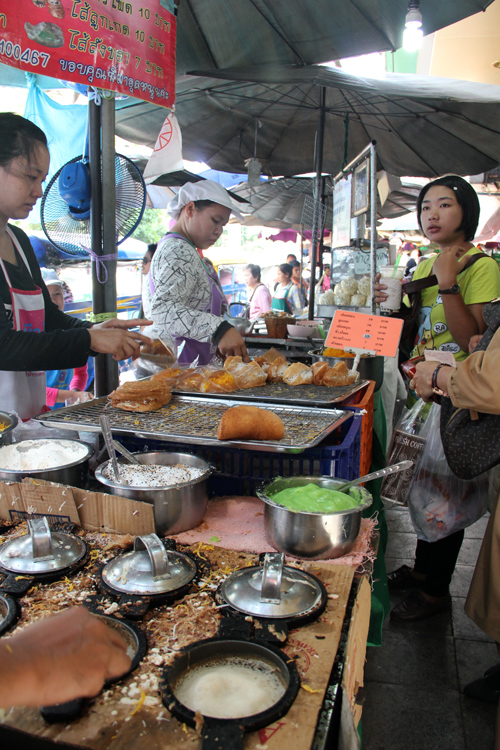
154,475
36,455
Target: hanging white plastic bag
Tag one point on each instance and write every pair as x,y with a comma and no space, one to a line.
439,502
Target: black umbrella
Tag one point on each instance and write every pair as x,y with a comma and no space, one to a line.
422,126
215,34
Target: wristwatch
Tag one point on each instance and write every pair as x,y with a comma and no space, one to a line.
455,289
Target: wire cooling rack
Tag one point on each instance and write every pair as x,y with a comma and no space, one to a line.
195,420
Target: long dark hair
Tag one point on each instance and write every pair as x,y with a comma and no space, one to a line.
466,198
18,137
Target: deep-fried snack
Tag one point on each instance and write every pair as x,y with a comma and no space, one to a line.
338,375
248,374
275,370
231,362
298,374
272,354
170,375
318,370
250,423
141,395
190,380
262,362
217,381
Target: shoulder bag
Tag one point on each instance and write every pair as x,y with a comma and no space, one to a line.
471,440
410,314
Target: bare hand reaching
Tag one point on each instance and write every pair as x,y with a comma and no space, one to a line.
232,344
114,337
59,658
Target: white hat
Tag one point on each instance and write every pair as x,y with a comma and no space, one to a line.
50,277
204,190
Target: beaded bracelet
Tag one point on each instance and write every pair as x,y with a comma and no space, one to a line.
434,384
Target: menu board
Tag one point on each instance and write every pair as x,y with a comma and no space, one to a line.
128,47
357,331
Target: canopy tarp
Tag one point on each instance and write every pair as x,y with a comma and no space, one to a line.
233,33
421,126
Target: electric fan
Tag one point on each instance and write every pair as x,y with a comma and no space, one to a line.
65,209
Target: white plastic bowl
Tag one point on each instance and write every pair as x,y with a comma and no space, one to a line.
303,330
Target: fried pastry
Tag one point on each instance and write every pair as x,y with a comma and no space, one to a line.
190,380
276,368
318,370
217,381
231,362
338,375
250,423
140,395
248,374
298,374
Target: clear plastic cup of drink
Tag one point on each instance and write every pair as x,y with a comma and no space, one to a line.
393,279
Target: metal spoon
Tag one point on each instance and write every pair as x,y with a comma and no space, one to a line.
126,453
401,466
108,439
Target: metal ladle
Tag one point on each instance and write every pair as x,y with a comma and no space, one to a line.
401,466
126,453
108,439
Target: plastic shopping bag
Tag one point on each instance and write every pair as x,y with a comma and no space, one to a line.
407,443
439,502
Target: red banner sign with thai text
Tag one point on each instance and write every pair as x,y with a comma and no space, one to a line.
127,47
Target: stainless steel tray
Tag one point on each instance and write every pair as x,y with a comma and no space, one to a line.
295,395
194,419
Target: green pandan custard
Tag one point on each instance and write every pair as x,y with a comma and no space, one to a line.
313,499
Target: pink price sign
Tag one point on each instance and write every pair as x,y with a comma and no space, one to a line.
127,47
353,330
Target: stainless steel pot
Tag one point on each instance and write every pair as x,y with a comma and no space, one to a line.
370,367
314,536
10,420
74,473
176,508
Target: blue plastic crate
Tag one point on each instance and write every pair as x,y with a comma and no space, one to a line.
239,472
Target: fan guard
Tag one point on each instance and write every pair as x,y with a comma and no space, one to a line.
69,234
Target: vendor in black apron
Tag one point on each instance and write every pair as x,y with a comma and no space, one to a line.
35,335
287,296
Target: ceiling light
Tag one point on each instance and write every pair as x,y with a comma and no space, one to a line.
413,34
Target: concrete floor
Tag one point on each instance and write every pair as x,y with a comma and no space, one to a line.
414,681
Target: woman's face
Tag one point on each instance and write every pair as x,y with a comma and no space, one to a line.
441,215
146,262
296,273
327,270
21,183
282,277
250,280
205,227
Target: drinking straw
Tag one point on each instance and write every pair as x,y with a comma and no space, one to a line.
398,261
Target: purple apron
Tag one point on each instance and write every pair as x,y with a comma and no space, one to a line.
192,347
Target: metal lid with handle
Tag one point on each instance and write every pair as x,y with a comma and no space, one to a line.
149,569
40,550
272,589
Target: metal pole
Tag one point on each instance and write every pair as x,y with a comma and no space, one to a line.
373,220
109,225
96,228
317,199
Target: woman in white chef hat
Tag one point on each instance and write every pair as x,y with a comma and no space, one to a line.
187,301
